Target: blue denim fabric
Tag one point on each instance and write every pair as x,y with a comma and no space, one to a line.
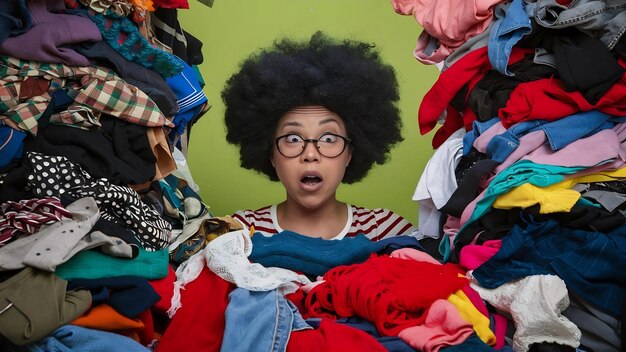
559,133
478,128
591,263
601,19
77,338
511,24
259,321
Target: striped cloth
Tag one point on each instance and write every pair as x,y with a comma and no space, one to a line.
25,217
374,224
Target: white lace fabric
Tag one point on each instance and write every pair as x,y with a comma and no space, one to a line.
227,257
535,304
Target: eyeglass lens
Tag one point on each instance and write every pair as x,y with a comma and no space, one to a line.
328,145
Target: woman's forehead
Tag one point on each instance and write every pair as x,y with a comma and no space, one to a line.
310,115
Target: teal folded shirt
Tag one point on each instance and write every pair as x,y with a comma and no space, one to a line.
309,255
93,264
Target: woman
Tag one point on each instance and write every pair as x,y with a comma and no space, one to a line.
313,115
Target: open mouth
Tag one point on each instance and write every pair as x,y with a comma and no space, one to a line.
311,183
310,180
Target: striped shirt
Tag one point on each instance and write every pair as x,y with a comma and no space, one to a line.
374,224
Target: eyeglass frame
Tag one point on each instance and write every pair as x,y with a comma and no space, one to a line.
347,141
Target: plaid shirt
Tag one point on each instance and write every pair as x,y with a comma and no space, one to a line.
95,87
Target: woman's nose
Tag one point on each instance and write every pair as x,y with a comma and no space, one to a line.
310,152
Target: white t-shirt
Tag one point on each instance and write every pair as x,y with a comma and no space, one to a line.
374,224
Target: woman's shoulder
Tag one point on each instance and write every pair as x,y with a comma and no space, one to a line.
379,223
261,219
378,213
254,213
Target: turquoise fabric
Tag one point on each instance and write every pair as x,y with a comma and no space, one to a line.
523,171
93,264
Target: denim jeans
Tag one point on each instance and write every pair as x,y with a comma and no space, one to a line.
511,24
559,133
260,321
601,19
478,128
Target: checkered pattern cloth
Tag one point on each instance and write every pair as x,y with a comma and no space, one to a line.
95,87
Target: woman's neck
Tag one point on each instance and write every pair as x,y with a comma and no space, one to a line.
326,221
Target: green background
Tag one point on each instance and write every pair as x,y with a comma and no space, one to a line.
230,30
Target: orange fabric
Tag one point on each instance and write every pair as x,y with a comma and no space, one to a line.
104,317
146,5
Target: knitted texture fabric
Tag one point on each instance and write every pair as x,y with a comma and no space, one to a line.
124,37
392,293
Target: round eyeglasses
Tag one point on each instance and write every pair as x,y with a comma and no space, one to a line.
329,145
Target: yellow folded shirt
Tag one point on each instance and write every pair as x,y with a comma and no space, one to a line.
559,197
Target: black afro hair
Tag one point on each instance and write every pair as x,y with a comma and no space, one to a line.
346,77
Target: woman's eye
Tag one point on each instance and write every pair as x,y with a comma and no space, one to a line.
293,138
328,138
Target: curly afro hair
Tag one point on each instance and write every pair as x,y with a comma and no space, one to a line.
347,78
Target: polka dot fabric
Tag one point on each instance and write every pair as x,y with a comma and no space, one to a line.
53,176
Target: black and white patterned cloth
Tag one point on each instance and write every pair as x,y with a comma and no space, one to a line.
53,176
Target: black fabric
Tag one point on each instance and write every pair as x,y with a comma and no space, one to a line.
609,186
431,246
468,189
493,90
587,218
14,186
191,51
550,347
620,48
494,225
583,63
15,18
466,162
118,151
53,176
128,295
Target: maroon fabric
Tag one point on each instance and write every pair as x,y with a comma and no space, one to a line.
392,293
199,323
333,337
25,217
